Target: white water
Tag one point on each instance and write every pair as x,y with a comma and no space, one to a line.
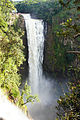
35,36
9,111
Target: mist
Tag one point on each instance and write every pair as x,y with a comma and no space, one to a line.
49,92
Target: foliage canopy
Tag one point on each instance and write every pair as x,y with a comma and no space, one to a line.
12,56
69,105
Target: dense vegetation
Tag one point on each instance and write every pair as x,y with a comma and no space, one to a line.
12,56
68,105
41,9
63,52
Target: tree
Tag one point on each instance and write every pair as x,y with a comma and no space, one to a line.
43,9
68,105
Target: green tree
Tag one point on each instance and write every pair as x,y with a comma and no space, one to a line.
69,105
43,9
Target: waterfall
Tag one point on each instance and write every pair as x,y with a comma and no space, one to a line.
35,36
45,86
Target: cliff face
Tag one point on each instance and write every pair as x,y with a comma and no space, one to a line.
49,53
24,67
48,63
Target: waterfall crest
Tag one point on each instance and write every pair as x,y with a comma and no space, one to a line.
35,36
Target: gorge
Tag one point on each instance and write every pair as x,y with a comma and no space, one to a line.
40,56
44,86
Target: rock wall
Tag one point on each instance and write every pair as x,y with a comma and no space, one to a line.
48,63
24,67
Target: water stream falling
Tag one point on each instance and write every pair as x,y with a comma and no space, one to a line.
35,36
47,88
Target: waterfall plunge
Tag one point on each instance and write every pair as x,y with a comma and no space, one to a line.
45,87
35,36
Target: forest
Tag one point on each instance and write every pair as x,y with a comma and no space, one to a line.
61,51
